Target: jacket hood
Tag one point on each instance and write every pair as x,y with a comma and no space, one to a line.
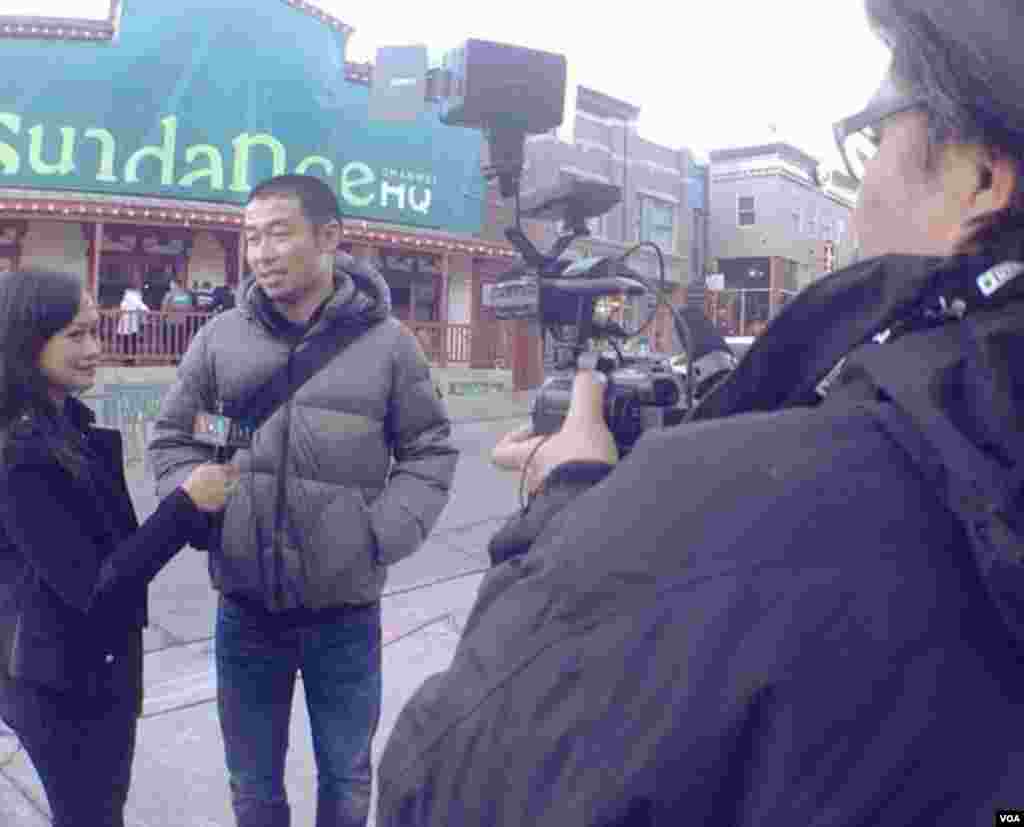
361,296
955,381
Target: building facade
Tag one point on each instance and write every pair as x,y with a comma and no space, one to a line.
128,162
664,199
776,225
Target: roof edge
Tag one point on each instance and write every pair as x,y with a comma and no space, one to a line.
316,12
23,27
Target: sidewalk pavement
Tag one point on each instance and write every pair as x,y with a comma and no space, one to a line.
179,778
493,405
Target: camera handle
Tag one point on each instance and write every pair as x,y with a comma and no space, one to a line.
547,265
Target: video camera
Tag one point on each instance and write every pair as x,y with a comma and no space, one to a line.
508,92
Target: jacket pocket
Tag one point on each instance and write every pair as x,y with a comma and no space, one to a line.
244,530
38,657
338,551
374,547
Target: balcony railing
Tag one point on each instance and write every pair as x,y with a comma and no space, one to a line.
141,337
744,312
158,338
447,344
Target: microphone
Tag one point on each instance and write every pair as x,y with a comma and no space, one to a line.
225,434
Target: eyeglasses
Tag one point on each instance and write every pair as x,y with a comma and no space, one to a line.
858,136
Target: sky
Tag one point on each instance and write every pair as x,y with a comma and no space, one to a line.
706,74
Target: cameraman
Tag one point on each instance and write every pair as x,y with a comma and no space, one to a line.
785,613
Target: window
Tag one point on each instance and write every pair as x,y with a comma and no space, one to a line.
657,223
745,211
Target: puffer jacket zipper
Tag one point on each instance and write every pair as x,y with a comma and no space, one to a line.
280,502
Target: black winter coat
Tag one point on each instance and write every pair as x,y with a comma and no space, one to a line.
74,562
775,618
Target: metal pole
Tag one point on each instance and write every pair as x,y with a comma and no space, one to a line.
443,309
241,262
625,191
95,252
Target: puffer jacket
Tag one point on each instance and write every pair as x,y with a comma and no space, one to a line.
346,478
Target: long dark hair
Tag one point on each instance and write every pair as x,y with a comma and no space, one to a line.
35,306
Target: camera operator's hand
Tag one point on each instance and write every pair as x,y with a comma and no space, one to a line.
584,436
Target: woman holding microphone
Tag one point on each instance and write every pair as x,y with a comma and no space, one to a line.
74,561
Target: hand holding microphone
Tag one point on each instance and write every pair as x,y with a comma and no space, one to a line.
210,485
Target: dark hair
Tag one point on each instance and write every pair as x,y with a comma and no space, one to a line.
949,55
34,306
318,201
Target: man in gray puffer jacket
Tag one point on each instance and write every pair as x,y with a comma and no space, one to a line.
345,478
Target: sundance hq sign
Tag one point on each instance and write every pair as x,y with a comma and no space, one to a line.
202,99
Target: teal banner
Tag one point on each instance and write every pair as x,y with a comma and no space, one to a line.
202,99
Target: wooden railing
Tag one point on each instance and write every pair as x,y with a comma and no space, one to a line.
143,337
744,312
447,344
159,338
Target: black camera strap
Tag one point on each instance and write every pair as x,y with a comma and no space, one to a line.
305,362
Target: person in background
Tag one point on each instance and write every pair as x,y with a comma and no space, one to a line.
178,297
179,303
74,561
203,292
223,298
130,321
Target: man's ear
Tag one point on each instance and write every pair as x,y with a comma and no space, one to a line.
329,236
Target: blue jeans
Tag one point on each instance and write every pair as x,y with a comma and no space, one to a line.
258,656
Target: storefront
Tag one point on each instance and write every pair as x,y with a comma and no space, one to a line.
128,161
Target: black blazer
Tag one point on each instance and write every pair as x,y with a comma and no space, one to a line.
74,562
